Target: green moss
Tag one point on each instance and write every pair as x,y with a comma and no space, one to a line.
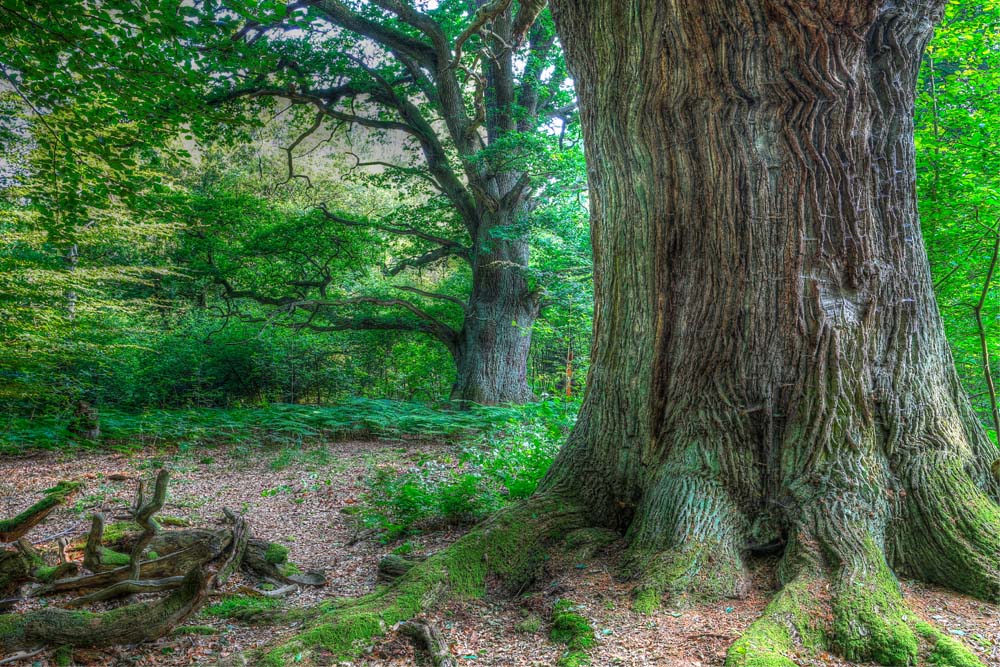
646,600
869,615
512,546
63,656
45,573
583,543
173,521
11,628
289,569
112,557
572,629
118,530
55,495
695,573
276,553
770,641
944,650
241,607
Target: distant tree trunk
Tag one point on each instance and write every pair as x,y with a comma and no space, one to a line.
86,421
491,354
769,365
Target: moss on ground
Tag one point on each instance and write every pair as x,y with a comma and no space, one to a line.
241,607
289,569
513,547
569,627
276,554
63,656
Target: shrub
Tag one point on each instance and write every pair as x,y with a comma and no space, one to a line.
504,462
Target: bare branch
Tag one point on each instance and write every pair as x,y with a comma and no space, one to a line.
302,137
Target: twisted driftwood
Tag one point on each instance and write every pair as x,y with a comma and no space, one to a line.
189,565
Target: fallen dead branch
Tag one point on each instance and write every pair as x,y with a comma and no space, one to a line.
188,564
431,638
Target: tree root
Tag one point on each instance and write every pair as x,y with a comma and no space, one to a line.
858,613
684,544
687,575
128,587
195,562
430,637
948,530
507,552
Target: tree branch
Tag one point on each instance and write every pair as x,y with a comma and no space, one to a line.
425,259
455,247
341,15
434,295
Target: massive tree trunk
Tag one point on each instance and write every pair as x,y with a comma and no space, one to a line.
491,354
769,368
769,364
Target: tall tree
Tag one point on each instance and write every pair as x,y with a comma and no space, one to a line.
769,366
458,111
461,115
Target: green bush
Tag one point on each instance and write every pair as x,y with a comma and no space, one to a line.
504,462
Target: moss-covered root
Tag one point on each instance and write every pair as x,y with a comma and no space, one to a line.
15,528
689,575
948,530
125,625
684,544
508,551
870,620
944,650
870,623
791,625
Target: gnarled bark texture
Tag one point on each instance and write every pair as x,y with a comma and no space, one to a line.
769,364
769,367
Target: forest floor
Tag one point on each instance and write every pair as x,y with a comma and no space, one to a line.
298,497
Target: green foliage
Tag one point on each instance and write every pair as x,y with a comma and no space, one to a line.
958,166
504,463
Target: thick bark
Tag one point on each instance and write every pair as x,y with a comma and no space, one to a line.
491,353
769,368
769,364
